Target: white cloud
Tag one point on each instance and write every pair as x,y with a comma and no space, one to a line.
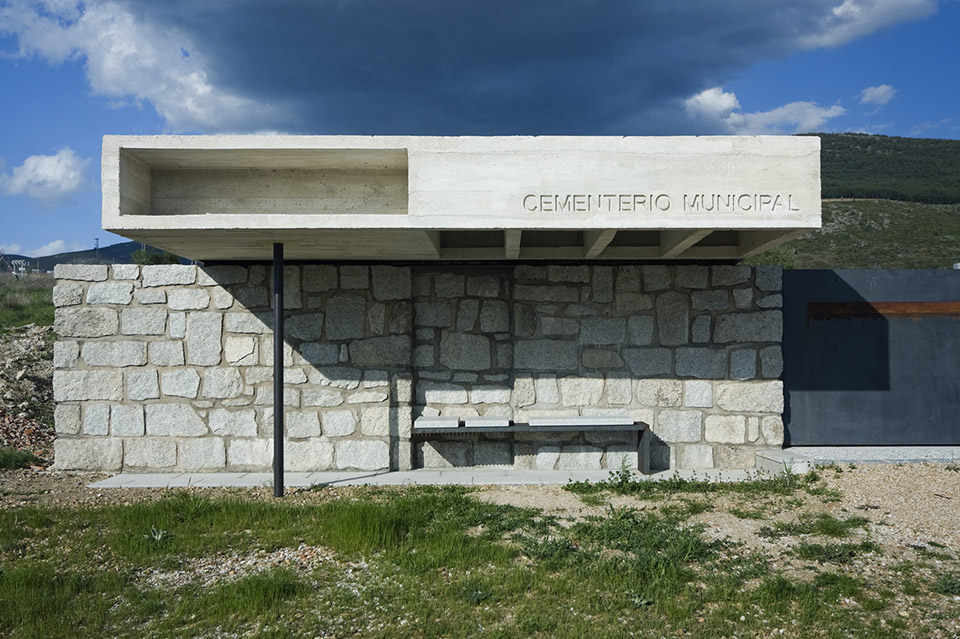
129,59
721,112
54,247
713,103
856,18
878,95
48,178
51,248
926,127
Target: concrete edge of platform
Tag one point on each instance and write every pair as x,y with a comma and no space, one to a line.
801,459
780,461
452,476
769,463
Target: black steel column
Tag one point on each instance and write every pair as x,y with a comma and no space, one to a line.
278,370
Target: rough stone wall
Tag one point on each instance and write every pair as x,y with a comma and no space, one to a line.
169,367
693,351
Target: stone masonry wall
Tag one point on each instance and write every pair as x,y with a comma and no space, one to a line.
693,351
169,368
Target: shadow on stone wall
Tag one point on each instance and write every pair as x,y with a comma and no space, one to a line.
691,350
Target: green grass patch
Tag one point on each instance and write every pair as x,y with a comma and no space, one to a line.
626,482
37,600
823,524
11,458
257,600
833,553
948,584
755,512
592,499
28,300
930,553
827,494
417,562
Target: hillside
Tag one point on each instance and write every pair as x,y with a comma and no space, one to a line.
906,211
876,234
892,168
114,254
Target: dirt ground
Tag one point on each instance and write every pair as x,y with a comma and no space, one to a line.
26,390
907,504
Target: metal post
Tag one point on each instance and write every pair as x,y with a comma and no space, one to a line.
278,370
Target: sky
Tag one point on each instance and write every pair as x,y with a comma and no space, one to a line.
71,72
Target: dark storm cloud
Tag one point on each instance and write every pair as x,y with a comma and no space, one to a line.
497,67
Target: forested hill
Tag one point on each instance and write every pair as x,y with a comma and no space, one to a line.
857,165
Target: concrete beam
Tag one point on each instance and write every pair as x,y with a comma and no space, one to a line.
754,242
595,241
433,237
511,243
674,243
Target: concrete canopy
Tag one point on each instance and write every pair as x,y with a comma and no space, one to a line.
461,198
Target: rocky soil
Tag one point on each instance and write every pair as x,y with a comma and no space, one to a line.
26,390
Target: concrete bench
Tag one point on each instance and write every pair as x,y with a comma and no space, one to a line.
439,427
457,425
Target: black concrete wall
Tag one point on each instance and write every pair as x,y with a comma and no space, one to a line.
871,357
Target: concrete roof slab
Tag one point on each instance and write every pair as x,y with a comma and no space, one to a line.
461,198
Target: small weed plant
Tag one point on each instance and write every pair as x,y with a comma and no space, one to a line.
834,553
823,524
156,535
948,584
626,482
11,458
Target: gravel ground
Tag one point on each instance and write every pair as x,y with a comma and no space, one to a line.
26,390
908,505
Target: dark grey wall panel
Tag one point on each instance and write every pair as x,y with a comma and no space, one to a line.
872,357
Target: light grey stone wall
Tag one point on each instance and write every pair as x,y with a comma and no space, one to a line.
693,351
170,367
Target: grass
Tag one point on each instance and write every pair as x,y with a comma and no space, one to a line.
823,524
834,553
419,562
948,584
625,482
26,301
928,553
11,458
757,512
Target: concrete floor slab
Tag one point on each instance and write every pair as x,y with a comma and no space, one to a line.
800,459
449,476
